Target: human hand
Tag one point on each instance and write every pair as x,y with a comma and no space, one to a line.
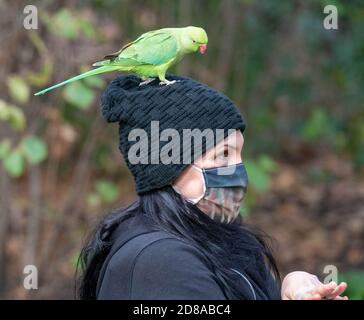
300,285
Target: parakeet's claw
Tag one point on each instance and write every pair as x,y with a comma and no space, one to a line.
167,82
148,80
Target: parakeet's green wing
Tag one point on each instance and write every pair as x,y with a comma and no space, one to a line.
155,47
144,35
114,55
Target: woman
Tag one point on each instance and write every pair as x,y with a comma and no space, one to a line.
183,237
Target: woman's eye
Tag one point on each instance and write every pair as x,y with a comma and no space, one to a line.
222,155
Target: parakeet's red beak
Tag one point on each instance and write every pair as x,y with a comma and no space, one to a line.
202,48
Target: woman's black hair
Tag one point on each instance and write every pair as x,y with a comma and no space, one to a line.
168,211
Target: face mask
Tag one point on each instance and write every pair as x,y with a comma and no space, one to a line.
224,189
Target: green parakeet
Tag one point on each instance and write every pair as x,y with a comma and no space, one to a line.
150,55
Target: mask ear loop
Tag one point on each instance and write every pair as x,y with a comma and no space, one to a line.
195,200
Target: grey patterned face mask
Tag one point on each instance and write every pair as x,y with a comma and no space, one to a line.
224,189
222,204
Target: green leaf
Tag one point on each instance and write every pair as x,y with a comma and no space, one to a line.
17,118
87,28
4,111
79,95
258,178
13,115
317,126
267,164
107,191
69,24
35,150
93,200
95,82
4,148
14,163
65,24
18,88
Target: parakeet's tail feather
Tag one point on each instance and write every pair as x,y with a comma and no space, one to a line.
93,72
121,62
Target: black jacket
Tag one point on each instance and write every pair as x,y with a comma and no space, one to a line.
148,264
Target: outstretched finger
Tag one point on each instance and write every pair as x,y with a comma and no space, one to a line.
338,290
325,290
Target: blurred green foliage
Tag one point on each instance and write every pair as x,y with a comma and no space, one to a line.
13,115
104,192
69,24
259,175
18,88
29,148
355,281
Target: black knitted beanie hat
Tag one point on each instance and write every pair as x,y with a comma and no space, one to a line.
185,104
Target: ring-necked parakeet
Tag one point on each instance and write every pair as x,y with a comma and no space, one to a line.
150,55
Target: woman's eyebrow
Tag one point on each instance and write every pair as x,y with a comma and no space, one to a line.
222,148
233,146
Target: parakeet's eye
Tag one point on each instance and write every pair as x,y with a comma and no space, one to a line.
194,41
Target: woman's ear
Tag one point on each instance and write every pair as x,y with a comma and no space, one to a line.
189,183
